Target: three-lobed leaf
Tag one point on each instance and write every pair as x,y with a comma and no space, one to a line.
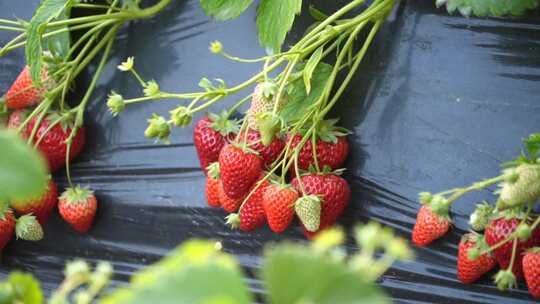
23,172
274,20
225,9
47,11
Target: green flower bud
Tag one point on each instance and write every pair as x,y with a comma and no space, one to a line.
116,103
216,47
127,65
524,232
151,89
181,116
158,128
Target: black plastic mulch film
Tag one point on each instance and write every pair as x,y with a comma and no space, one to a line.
439,102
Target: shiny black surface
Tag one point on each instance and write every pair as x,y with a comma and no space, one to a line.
439,102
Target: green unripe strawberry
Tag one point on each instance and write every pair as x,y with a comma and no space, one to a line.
481,216
524,189
28,228
308,210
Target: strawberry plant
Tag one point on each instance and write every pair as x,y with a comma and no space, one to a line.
38,100
200,272
511,229
285,130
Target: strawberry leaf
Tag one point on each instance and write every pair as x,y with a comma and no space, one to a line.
20,288
532,144
224,9
486,8
274,21
299,100
295,274
47,11
22,171
183,277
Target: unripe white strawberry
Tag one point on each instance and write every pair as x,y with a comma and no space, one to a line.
28,228
308,210
263,101
524,189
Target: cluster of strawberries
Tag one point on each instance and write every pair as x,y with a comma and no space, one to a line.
49,134
479,254
240,167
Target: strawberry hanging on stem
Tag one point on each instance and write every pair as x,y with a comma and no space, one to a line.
432,220
78,207
240,167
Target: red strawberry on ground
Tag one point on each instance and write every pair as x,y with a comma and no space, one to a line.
269,153
211,134
42,206
7,225
212,186
331,147
23,93
469,270
78,207
498,230
334,192
52,140
531,270
278,203
16,118
228,204
239,169
429,226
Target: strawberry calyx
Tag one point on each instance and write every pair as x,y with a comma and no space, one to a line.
213,170
244,148
233,220
505,279
328,131
480,217
28,228
77,195
269,125
440,207
269,89
480,246
222,124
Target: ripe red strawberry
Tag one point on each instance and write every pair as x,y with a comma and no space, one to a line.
470,270
428,227
16,118
531,269
334,192
499,229
331,147
210,136
42,206
23,93
278,203
239,170
78,207
268,153
212,186
53,141
230,205
7,225
252,214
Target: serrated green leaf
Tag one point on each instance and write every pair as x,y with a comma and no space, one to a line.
25,288
194,273
296,274
299,101
310,67
224,9
47,11
485,8
59,44
23,173
274,21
